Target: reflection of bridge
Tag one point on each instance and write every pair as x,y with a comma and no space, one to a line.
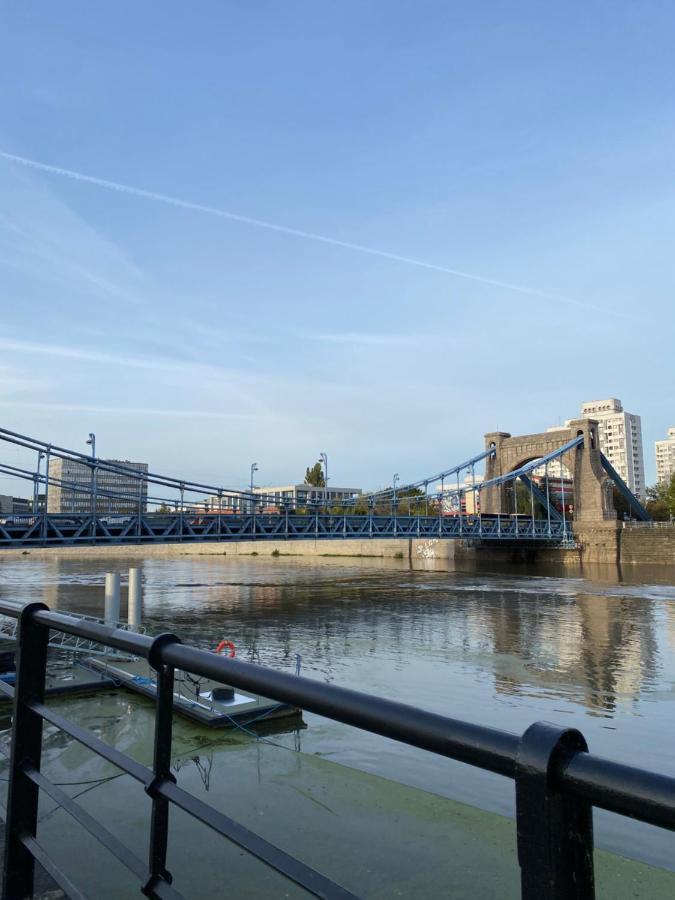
407,511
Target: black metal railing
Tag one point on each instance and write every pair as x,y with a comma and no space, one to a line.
557,781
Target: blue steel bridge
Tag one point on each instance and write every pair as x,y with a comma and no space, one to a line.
163,509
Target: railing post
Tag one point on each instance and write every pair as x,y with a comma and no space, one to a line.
555,830
159,822
23,796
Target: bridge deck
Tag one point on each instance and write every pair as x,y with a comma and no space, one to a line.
60,530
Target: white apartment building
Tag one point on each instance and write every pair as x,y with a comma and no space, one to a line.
665,457
555,468
620,439
117,492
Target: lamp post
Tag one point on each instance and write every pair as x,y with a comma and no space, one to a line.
36,489
395,479
91,442
254,468
324,459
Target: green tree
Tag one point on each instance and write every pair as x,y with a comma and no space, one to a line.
524,503
670,496
314,475
661,500
621,505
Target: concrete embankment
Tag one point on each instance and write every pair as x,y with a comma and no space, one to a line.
604,545
648,544
389,548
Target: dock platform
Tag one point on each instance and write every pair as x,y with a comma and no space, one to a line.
201,700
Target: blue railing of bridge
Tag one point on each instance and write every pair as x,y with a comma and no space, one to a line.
61,530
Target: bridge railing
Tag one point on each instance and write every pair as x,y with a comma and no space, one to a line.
557,781
56,529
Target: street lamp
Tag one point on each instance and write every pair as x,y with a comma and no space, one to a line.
254,468
395,479
324,459
91,442
36,489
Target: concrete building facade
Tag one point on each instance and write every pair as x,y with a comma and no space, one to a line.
289,496
300,495
18,506
665,457
117,493
620,439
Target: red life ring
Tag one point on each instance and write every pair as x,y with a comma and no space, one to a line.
222,645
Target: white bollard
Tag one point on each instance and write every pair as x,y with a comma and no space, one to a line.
135,600
111,613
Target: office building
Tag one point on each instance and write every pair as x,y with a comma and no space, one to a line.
287,496
665,457
17,506
116,491
301,495
620,439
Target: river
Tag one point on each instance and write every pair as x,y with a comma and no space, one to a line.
583,649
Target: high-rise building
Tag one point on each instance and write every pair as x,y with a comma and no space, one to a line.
620,439
665,457
116,492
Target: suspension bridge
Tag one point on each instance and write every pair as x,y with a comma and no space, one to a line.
459,502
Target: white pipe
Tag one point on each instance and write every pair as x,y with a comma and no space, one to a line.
135,600
111,613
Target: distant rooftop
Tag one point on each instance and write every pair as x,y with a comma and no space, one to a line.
599,406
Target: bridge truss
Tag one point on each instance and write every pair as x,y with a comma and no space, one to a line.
149,517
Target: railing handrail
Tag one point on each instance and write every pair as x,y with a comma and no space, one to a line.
488,748
557,780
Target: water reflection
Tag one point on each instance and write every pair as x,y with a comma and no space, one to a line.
594,644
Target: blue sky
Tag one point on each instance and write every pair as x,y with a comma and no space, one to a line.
525,144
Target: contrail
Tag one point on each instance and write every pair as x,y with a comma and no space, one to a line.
296,232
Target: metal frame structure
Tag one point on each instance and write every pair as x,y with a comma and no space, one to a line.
637,508
188,523
70,642
64,530
557,781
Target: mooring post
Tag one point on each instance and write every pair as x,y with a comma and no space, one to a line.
111,614
134,605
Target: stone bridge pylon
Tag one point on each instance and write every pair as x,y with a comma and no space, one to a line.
592,492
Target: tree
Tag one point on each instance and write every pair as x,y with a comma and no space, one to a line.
525,504
670,496
314,476
621,505
661,500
